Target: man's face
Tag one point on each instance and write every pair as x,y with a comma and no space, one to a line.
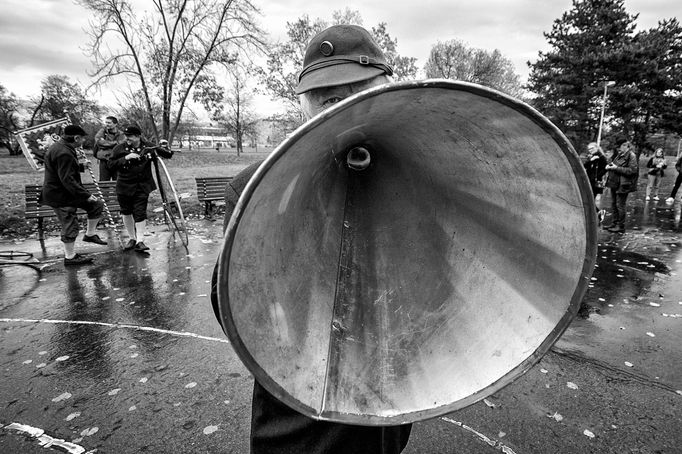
133,140
625,147
109,124
321,99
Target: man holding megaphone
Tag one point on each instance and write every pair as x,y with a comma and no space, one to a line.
339,62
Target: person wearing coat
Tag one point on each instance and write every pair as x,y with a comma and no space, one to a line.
132,160
63,190
656,165
595,166
622,175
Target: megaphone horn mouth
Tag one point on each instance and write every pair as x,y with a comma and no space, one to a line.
358,158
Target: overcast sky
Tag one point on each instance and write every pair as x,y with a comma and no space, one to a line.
43,37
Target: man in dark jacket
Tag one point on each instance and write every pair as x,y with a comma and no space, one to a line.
64,192
105,140
623,171
332,71
133,162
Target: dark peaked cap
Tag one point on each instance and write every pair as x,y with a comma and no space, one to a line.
340,55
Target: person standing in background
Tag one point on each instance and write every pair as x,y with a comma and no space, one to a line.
105,140
656,166
623,171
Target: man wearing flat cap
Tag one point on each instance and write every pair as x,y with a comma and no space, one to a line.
65,193
132,160
339,62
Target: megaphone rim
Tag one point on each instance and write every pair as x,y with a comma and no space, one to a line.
588,265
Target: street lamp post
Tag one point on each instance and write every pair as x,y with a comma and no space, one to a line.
607,84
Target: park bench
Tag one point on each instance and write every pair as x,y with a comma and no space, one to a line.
36,210
211,191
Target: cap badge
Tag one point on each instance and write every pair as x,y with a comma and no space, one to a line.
326,48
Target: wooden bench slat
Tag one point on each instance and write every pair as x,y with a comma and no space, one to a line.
211,191
35,210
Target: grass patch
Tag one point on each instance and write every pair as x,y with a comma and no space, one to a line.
15,173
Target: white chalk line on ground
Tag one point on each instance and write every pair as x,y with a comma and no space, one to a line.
494,443
44,440
115,325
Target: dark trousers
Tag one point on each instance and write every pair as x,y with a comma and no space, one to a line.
278,429
618,207
678,180
105,173
69,219
135,204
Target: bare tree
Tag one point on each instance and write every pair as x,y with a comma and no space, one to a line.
232,106
167,49
455,60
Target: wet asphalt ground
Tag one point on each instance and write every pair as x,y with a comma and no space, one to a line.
125,355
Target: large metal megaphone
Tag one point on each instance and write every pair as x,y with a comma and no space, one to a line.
407,253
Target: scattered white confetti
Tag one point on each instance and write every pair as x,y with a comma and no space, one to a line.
488,403
602,299
501,434
105,298
544,371
38,366
177,404
181,293
61,397
556,416
42,353
654,304
119,299
188,267
73,415
588,433
113,392
226,401
610,305
613,426
131,303
175,280
619,275
132,346
28,361
202,295
622,327
571,385
42,280
679,391
208,430
208,282
628,363
143,380
62,358
593,279
134,355
651,334
133,408
90,431
190,385
626,260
